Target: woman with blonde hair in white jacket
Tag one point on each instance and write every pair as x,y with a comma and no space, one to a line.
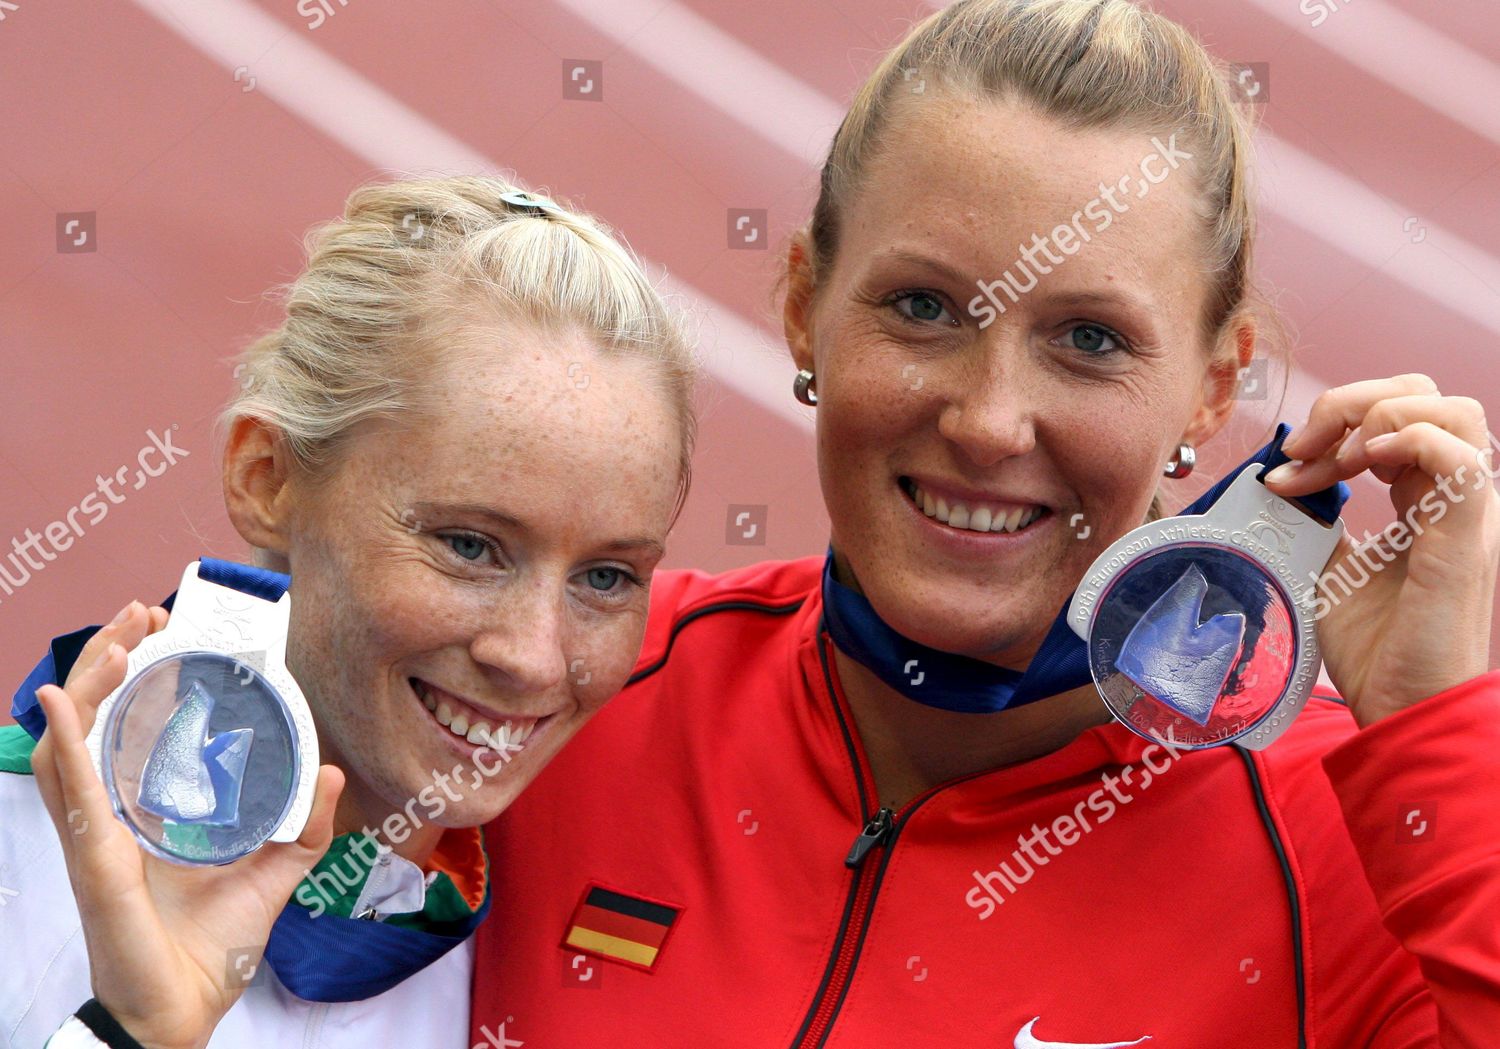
463,450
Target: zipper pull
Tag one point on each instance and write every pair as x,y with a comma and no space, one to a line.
876,832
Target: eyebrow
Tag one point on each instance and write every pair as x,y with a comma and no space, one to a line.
918,259
1122,297
479,510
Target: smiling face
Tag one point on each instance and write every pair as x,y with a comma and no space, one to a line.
1038,437
480,567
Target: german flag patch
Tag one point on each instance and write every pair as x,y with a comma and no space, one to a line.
625,929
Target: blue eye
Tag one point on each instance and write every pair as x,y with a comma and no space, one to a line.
921,306
468,547
1090,338
605,579
612,586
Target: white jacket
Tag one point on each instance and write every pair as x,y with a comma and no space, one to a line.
44,974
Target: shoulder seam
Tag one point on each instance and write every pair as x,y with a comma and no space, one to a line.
785,608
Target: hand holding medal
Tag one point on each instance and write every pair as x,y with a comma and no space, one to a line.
1208,628
1415,616
158,932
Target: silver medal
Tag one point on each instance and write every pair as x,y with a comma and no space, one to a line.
207,750
1200,629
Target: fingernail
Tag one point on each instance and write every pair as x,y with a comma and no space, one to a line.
120,616
1376,443
1354,440
1284,472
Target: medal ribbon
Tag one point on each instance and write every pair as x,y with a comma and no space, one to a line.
971,686
327,958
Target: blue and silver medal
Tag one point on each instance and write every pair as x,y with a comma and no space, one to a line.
1200,629
207,749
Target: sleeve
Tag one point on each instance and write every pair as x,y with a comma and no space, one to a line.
1420,794
74,1034
92,1027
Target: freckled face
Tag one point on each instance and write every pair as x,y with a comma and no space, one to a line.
1066,406
490,552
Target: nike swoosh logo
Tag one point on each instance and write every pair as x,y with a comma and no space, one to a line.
1026,1040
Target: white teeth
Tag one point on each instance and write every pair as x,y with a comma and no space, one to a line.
980,519
479,733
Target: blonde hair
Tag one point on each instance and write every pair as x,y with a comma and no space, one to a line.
407,257
1088,64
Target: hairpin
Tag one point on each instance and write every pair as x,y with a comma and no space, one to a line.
532,201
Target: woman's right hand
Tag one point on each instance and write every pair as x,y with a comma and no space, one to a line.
159,935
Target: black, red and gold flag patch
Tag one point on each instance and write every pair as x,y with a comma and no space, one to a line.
626,929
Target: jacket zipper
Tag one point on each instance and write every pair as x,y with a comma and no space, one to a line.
879,832
876,832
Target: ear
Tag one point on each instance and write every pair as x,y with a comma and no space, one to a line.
1221,381
796,311
257,496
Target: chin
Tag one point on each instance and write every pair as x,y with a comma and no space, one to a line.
948,622
997,643
476,811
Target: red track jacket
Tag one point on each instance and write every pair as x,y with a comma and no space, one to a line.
707,864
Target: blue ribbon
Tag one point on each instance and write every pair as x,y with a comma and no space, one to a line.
971,686
327,958
247,579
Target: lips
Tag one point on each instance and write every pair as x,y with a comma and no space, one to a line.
471,723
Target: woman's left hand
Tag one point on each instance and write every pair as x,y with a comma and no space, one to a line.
163,940
1421,623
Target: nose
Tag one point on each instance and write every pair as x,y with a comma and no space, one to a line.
522,640
989,415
